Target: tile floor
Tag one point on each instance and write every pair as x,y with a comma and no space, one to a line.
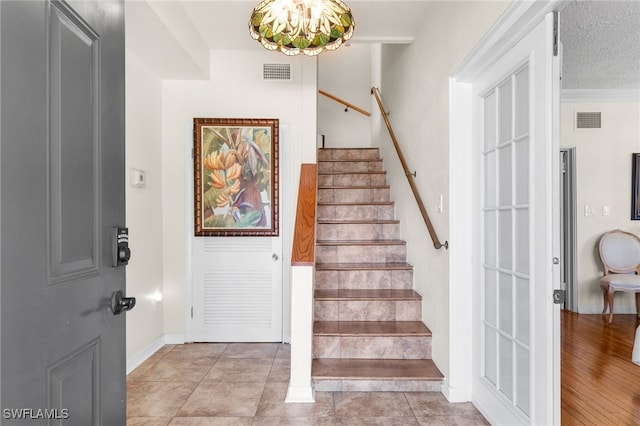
246,384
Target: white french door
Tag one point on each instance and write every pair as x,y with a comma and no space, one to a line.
516,159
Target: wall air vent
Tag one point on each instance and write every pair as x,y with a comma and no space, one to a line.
588,120
276,72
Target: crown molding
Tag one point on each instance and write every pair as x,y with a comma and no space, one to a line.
606,95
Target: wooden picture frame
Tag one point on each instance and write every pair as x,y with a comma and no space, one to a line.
635,186
235,164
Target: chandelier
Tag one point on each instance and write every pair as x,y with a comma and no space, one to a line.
301,26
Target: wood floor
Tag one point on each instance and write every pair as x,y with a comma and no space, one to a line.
600,385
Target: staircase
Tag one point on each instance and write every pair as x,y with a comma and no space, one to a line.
367,333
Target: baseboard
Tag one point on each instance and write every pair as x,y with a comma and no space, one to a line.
135,361
296,394
166,339
456,394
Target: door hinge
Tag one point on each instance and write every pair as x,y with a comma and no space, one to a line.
192,312
192,154
555,33
558,297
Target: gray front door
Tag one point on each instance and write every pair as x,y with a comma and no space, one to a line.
62,351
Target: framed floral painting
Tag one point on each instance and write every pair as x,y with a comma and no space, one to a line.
235,176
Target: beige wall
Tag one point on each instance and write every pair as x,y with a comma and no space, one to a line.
603,176
345,73
143,208
415,89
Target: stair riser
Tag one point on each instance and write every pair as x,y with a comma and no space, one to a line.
358,231
361,253
348,154
367,310
355,212
350,166
352,195
378,179
372,347
365,279
377,385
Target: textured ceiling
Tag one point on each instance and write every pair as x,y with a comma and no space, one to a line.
601,45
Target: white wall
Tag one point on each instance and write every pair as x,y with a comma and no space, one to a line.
415,89
345,73
603,176
143,208
236,90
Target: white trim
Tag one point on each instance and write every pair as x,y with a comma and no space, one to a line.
518,20
609,95
188,226
453,394
297,394
136,360
460,251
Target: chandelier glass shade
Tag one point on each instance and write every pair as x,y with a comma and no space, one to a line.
301,26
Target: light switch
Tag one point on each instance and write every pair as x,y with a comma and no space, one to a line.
605,210
588,211
137,178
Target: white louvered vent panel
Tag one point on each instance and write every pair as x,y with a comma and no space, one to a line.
276,72
258,245
237,298
588,120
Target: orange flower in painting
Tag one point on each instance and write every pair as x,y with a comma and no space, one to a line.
234,172
217,181
224,200
233,189
214,161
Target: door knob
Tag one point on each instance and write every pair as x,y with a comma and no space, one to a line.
120,304
274,256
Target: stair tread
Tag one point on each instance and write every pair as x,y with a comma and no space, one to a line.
355,203
349,160
366,294
356,221
349,172
371,328
374,369
360,242
363,266
354,187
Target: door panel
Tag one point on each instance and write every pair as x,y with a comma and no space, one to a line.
62,189
237,289
514,314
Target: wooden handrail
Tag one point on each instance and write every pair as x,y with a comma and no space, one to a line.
304,235
414,189
345,103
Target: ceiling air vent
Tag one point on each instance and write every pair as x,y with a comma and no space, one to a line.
588,120
276,72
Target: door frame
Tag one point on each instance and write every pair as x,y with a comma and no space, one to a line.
519,19
569,228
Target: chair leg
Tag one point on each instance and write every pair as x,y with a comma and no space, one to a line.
610,297
605,300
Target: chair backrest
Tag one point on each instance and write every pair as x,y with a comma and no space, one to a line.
620,252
